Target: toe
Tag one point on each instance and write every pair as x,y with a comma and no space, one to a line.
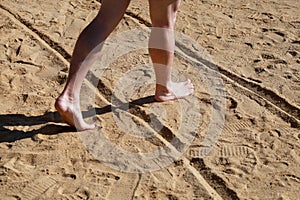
188,81
86,127
90,126
192,91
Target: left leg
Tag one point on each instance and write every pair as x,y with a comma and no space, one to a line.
161,50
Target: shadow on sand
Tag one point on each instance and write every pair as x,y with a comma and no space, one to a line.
14,120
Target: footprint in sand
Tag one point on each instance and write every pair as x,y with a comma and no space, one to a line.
230,128
236,159
37,187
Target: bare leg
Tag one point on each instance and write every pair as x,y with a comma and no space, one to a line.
68,103
161,49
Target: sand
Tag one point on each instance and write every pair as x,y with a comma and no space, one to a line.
237,137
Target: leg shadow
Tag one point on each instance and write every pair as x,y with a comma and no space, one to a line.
13,120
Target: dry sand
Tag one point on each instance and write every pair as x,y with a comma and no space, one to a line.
255,48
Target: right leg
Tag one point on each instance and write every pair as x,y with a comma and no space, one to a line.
161,50
68,104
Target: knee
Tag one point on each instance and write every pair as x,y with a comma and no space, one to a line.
165,19
166,22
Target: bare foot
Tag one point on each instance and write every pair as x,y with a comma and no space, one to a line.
71,114
173,91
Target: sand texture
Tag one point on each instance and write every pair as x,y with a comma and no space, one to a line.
237,137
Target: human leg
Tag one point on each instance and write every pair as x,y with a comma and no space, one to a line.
68,103
161,50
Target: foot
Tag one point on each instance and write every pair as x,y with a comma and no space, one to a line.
173,91
71,114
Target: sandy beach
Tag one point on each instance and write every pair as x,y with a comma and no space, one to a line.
236,137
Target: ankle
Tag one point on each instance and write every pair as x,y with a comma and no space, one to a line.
163,89
68,96
67,99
